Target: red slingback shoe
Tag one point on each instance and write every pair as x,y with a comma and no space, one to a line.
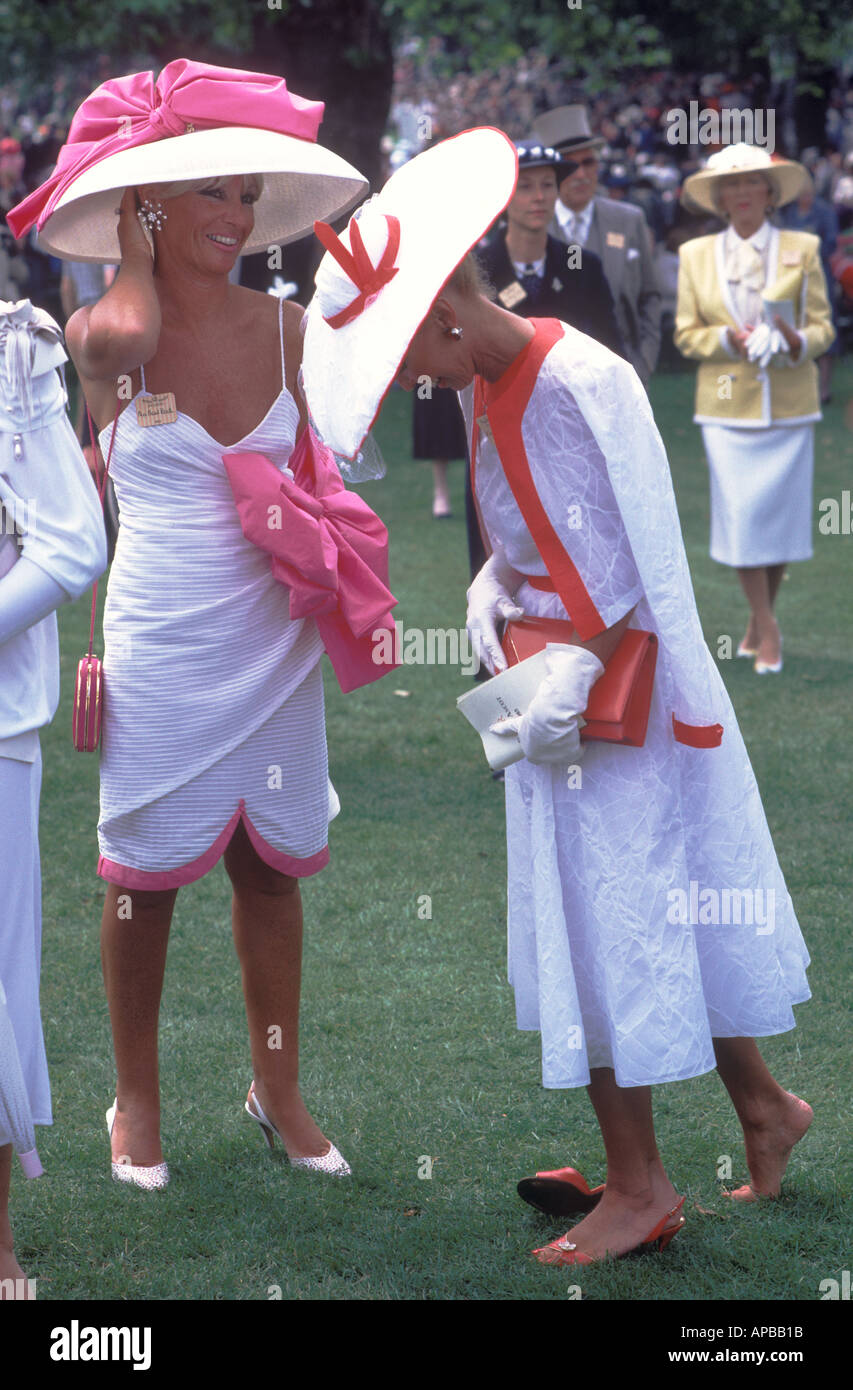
561,1192
565,1251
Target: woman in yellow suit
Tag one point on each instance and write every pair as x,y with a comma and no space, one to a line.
757,386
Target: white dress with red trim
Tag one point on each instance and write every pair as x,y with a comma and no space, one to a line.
647,912
213,706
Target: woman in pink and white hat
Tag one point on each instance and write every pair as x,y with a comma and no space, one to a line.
213,737
627,987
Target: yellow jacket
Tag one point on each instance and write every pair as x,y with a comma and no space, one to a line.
730,390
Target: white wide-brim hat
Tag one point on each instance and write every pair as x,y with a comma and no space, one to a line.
303,181
440,204
197,121
786,176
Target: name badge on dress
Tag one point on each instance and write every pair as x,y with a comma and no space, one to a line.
156,410
616,239
485,428
792,258
512,295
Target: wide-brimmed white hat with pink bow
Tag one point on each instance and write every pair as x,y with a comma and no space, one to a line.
379,278
197,121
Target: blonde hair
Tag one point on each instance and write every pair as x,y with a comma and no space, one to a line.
161,191
469,280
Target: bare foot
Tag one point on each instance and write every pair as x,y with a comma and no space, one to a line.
621,1221
769,1142
136,1136
298,1132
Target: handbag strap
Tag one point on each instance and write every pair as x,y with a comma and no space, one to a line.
101,492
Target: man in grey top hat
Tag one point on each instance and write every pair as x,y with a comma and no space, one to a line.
615,231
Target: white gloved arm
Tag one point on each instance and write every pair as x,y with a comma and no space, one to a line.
27,594
490,598
548,731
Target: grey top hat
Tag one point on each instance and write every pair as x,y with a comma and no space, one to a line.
566,128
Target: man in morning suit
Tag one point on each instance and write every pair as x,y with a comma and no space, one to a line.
615,231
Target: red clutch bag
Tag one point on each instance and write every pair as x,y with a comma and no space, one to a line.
619,702
88,703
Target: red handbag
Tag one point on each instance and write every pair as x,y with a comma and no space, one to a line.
619,702
89,688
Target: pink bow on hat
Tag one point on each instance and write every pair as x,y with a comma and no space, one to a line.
330,549
187,96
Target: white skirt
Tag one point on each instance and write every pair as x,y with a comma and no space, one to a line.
603,963
761,493
20,927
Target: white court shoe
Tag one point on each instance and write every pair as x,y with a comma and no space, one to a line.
333,1163
769,668
154,1177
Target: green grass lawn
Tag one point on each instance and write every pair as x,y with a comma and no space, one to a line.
409,1041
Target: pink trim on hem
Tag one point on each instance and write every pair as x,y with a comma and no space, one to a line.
197,868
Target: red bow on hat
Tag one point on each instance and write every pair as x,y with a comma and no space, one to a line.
368,278
187,96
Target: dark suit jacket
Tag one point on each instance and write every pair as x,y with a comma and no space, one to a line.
580,296
619,234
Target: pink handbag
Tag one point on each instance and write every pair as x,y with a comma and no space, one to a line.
89,687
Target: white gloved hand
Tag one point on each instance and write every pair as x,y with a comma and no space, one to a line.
489,600
763,343
548,731
27,594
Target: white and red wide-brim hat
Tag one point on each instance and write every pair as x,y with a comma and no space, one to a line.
398,250
196,121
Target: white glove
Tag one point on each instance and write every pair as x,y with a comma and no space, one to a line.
763,343
548,731
27,594
489,600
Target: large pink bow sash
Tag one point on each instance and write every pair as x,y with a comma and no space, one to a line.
187,96
328,547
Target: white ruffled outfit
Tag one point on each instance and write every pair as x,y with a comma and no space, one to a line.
50,518
597,963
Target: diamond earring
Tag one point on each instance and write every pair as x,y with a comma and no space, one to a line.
151,215
455,332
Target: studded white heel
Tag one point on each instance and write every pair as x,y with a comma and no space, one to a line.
154,1177
332,1163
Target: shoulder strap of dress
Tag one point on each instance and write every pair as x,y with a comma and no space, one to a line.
281,338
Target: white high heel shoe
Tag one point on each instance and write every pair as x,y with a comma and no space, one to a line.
154,1177
769,668
333,1163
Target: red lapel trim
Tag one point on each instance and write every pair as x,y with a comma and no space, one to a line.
505,403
